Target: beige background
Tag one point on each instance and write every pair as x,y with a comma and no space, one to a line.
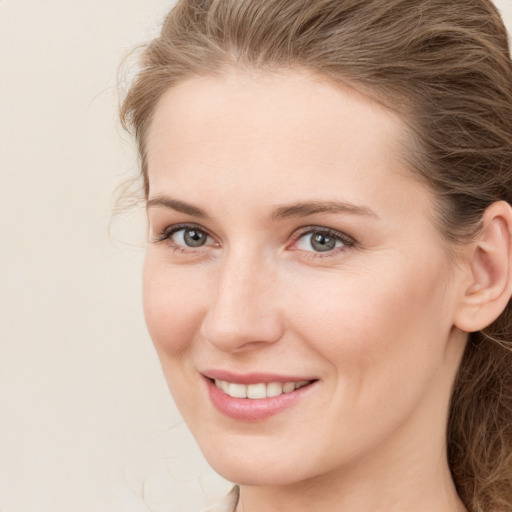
86,423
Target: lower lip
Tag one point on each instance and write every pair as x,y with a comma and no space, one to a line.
246,409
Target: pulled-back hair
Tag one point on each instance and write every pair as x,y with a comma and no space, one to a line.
444,66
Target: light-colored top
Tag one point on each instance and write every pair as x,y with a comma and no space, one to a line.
228,504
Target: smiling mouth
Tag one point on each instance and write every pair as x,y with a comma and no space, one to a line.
260,390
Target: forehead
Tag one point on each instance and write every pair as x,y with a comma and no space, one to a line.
251,107
258,133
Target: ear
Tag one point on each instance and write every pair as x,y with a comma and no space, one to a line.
490,267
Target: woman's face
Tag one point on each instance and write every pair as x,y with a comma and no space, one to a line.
293,258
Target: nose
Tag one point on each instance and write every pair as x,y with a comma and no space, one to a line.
244,313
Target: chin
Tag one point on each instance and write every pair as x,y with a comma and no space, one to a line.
259,467
248,473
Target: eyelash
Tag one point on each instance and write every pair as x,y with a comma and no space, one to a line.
348,242
169,231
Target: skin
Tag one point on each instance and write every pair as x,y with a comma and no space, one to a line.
374,319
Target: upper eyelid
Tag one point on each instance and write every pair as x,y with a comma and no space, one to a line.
168,231
185,225
322,229
173,228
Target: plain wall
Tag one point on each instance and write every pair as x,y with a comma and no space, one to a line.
86,421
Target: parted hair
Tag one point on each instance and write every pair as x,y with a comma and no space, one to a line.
444,66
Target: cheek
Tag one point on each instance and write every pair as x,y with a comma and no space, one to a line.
383,345
172,306
370,326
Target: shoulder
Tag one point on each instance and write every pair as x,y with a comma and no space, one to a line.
228,504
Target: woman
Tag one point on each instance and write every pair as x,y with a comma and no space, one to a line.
329,267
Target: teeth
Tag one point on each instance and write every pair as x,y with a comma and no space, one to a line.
288,387
258,391
222,384
237,390
274,389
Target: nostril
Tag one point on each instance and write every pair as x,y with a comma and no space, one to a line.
239,331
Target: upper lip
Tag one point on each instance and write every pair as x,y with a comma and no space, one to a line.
253,377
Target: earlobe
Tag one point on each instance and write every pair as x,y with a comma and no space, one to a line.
490,266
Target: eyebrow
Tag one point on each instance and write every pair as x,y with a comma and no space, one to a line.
179,206
301,209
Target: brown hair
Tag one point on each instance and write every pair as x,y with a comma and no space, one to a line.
445,67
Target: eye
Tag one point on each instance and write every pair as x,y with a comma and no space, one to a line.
189,237
184,237
322,241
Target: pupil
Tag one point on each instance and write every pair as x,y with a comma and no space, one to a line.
194,238
322,243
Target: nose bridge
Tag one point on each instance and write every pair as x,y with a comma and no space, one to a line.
243,311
